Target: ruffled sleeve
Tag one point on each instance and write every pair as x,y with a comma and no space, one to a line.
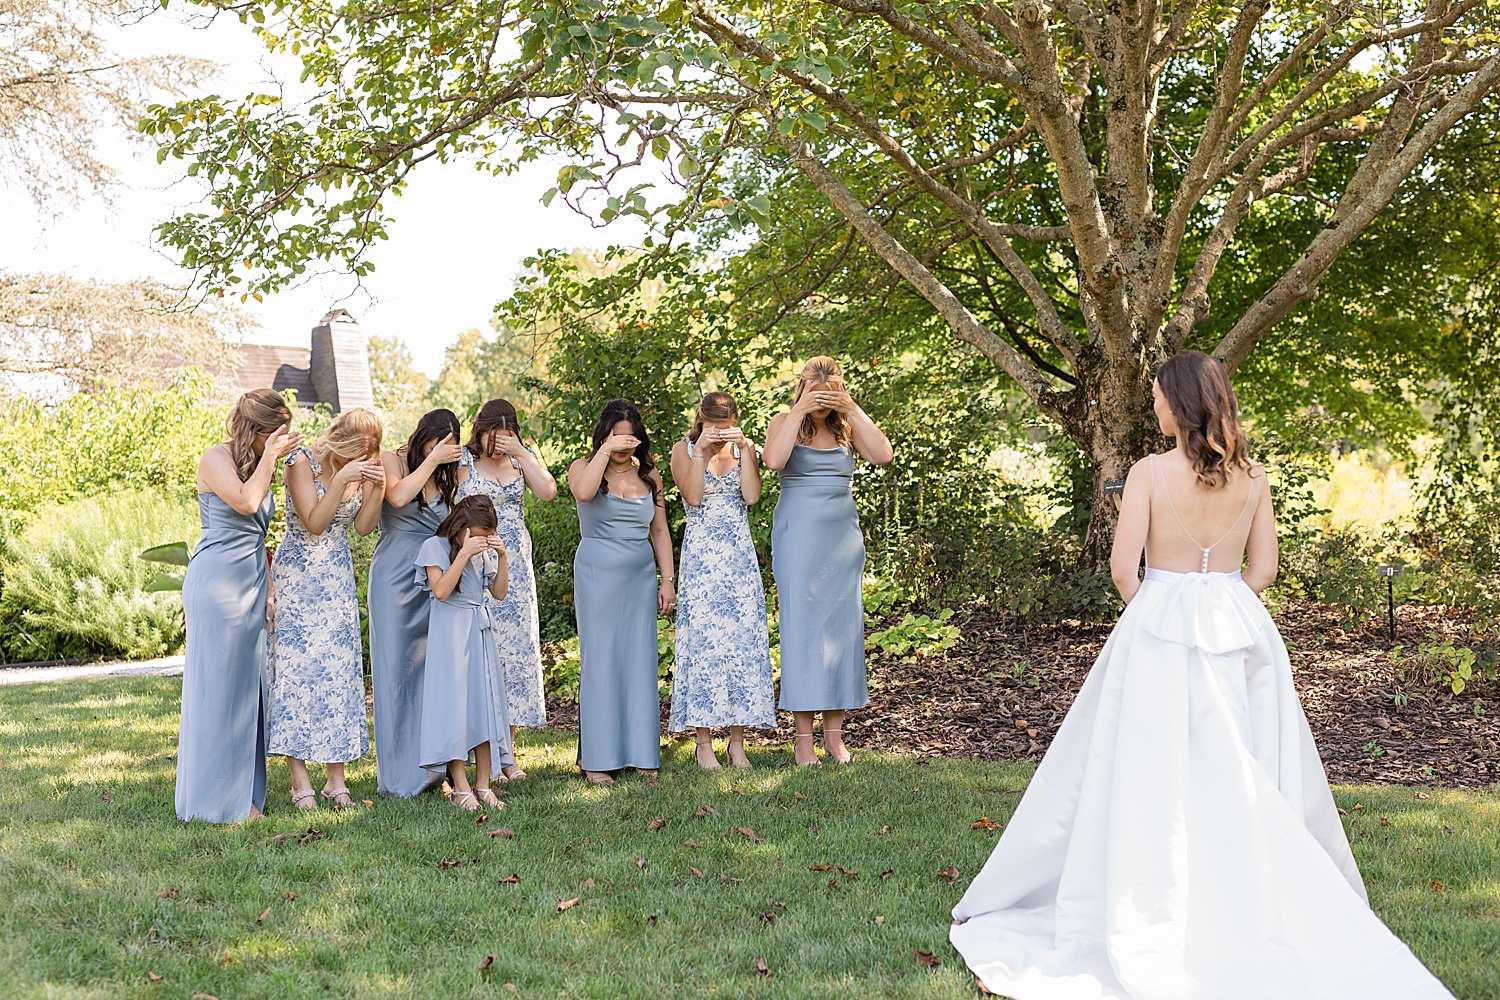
434,552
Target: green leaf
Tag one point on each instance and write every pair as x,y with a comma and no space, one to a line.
173,553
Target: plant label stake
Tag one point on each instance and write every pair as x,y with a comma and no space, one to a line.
1115,488
1389,571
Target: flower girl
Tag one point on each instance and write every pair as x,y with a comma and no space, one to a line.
463,690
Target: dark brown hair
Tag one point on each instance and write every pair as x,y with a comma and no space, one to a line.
1208,415
713,406
259,411
496,415
822,369
471,512
615,411
432,428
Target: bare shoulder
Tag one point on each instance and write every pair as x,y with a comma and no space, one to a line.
777,421
217,457
680,449
655,476
577,465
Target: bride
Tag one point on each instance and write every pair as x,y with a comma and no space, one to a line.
1179,841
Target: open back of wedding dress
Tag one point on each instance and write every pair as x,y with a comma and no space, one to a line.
1179,840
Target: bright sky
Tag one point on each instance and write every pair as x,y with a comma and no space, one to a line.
455,246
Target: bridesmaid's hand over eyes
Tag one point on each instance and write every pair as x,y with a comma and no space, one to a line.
282,442
620,444
509,444
374,473
497,545
840,401
473,545
352,471
446,452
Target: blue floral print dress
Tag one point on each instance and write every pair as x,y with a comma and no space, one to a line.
317,709
722,673
515,624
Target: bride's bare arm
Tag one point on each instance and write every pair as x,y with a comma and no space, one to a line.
1261,550
1130,531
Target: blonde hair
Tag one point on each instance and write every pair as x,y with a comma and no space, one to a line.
713,406
259,411
354,434
822,369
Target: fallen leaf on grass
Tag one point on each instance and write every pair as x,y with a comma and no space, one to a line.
1436,886
651,920
278,838
369,803
263,915
1357,805
586,841
106,798
486,962
820,868
769,918
512,988
152,977
887,873
171,893
640,862
1423,795
883,831
749,833
336,807
450,864
655,824
588,883
880,921
481,819
926,958
690,842
950,873
310,836
703,811
204,996
511,879
779,906
1385,821
984,823
289,896
695,871
726,879
833,885
798,796
566,904
761,968
504,832
849,872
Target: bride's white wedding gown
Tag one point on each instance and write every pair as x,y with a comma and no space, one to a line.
1179,840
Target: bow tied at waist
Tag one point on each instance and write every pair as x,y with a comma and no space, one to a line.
1214,612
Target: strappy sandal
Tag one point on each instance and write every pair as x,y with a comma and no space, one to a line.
308,796
457,798
711,756
516,775
836,732
602,779
815,762
489,798
339,795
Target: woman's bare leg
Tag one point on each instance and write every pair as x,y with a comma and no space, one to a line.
703,751
833,737
802,745
737,748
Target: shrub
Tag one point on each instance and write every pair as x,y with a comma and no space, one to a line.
73,582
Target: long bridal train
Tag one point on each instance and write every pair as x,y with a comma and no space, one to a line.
1179,840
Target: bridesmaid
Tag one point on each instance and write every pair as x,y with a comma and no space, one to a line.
463,701
416,501
317,681
497,465
722,674
622,518
818,553
226,600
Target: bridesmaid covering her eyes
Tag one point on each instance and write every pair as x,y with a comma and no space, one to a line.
818,553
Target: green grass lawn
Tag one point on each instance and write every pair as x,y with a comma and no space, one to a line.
101,887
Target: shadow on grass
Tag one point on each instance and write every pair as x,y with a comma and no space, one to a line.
404,898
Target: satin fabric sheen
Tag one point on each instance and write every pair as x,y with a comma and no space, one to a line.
1179,840
221,745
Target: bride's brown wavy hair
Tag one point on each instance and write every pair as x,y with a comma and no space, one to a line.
259,411
1208,415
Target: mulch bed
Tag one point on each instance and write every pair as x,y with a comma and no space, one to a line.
1002,690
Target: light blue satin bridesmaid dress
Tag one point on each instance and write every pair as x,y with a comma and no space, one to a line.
398,644
818,557
614,592
221,745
